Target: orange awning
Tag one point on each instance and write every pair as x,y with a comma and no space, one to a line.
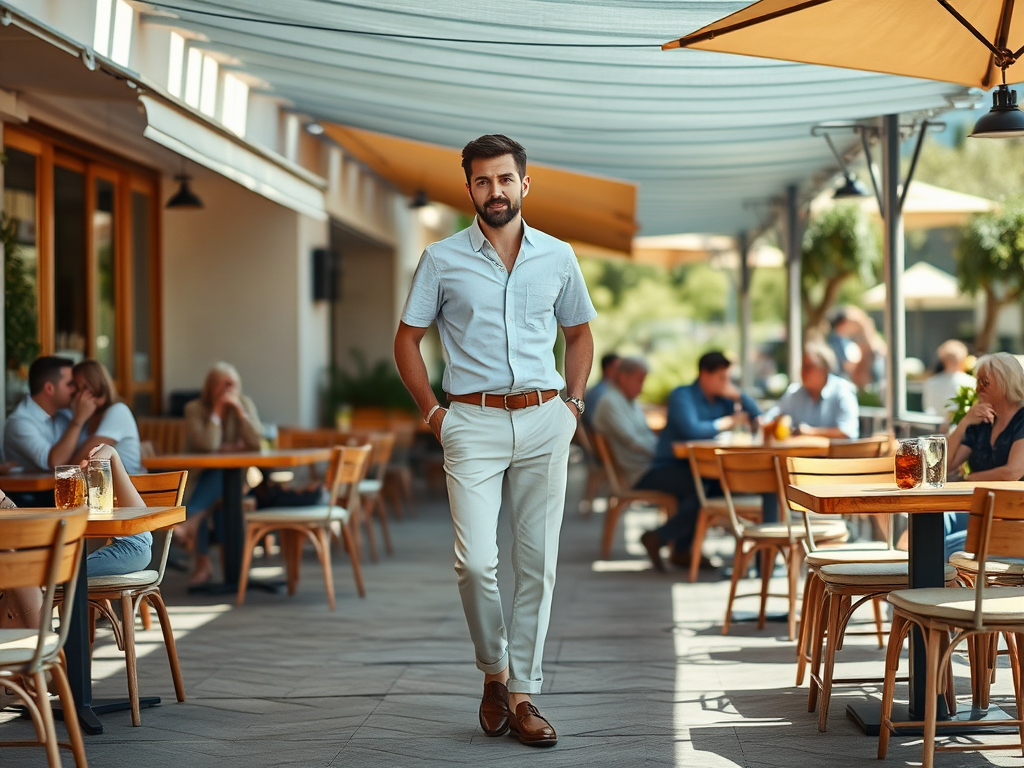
565,204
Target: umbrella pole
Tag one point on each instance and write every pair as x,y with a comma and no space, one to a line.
893,241
746,358
794,331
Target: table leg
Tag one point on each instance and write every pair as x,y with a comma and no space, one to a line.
234,526
78,654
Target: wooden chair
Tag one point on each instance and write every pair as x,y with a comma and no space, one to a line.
347,468
596,474
163,434
398,473
133,591
620,498
818,471
760,473
860,448
42,549
371,489
996,527
713,509
841,579
298,437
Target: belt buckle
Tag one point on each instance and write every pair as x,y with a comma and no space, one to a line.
506,396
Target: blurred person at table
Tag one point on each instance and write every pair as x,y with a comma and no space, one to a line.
609,365
20,607
699,411
823,403
621,420
990,436
112,424
45,428
221,420
941,387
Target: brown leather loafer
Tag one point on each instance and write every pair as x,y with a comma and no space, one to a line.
494,709
652,544
530,726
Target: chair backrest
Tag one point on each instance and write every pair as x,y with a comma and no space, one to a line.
161,489
798,470
861,448
995,527
703,466
751,472
297,437
383,446
166,435
604,453
43,548
348,466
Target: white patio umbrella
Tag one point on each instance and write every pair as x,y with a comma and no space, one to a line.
926,206
924,288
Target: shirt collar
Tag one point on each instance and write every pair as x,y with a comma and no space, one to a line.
35,410
477,237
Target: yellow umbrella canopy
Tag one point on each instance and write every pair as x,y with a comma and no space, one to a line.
956,41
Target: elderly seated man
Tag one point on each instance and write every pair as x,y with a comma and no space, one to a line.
822,403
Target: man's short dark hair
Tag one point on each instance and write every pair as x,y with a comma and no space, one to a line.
712,362
46,370
493,145
607,360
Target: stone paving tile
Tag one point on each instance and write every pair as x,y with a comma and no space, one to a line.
637,673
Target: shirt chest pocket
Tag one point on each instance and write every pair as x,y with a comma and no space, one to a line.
540,304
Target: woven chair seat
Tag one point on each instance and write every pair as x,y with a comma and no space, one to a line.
1000,605
842,554
370,485
134,579
896,575
1010,566
18,646
297,515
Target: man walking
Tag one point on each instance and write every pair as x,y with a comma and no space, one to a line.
498,291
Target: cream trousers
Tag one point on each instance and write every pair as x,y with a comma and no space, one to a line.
526,451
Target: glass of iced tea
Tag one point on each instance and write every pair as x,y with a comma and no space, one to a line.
934,451
69,486
909,463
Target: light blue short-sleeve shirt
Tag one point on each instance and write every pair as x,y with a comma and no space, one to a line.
118,425
498,328
30,433
836,408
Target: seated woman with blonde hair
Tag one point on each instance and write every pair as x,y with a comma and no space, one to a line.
990,437
221,420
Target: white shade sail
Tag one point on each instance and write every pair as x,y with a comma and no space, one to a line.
583,85
924,287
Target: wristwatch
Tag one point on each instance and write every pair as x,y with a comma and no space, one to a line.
580,405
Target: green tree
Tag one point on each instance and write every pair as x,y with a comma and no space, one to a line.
839,243
21,342
990,260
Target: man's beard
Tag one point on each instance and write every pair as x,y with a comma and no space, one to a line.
498,219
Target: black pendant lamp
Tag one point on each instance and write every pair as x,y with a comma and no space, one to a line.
184,199
1004,120
419,200
851,187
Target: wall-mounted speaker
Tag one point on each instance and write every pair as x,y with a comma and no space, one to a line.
326,275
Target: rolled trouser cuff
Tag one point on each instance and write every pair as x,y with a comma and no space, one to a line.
495,668
524,686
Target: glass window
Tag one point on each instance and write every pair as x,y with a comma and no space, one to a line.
71,306
21,269
106,282
141,320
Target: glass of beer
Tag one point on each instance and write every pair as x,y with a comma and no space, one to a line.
69,486
934,451
909,463
100,482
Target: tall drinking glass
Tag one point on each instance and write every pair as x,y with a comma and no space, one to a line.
909,464
69,486
101,486
934,460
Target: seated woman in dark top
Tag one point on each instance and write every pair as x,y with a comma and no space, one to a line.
990,436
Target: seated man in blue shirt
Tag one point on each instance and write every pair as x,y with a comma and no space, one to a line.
699,411
822,403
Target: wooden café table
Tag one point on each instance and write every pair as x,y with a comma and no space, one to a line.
26,482
927,563
233,466
123,521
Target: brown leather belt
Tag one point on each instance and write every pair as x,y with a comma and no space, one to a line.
510,402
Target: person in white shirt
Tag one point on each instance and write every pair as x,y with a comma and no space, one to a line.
945,384
621,420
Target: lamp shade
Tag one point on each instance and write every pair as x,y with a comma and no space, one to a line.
851,187
1004,120
184,199
419,200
